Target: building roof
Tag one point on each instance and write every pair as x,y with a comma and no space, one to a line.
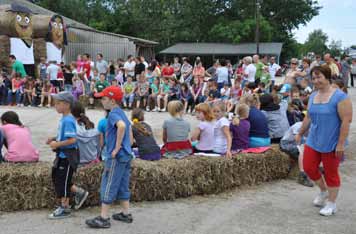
273,48
72,23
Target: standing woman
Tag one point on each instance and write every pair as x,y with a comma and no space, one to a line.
328,120
353,72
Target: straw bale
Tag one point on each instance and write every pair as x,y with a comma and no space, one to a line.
28,186
4,51
40,49
40,25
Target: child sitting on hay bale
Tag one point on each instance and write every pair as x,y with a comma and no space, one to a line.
205,130
67,157
222,134
116,176
289,146
87,136
17,140
176,133
143,136
240,128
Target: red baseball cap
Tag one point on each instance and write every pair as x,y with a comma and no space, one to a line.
113,92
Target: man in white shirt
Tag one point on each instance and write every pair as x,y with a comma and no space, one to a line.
129,66
52,73
272,69
250,71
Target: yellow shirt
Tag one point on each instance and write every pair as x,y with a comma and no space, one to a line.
334,69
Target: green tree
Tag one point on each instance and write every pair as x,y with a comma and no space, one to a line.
335,48
172,21
316,42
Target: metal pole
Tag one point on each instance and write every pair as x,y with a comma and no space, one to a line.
257,32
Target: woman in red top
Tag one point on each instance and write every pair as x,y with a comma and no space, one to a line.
16,89
199,72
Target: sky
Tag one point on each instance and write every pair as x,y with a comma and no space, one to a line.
337,19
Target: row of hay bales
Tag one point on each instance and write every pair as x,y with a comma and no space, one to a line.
28,186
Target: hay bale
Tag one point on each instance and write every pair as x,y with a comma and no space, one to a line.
40,25
4,51
7,25
39,49
28,186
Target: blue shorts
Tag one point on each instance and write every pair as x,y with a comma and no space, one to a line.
259,142
115,181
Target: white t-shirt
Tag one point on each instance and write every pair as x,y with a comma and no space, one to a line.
146,64
250,71
53,53
292,132
52,70
130,66
92,67
220,145
22,53
222,74
272,69
224,92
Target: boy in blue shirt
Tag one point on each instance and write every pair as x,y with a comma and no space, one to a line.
116,176
67,157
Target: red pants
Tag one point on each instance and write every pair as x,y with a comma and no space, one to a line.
311,162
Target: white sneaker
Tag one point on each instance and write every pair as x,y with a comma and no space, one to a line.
329,209
40,105
148,109
320,200
155,109
163,110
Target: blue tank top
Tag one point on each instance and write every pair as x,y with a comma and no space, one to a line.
325,123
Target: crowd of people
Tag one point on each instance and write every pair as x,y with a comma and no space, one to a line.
238,108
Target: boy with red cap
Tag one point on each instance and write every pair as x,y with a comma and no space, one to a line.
116,177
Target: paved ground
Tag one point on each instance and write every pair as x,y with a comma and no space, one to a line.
280,207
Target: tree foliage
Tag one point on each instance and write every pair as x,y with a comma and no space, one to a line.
172,21
316,42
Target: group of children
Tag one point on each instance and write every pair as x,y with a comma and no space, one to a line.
224,128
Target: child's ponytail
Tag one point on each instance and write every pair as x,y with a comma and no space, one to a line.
137,117
242,112
78,112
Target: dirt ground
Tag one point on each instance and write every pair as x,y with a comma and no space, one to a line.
283,207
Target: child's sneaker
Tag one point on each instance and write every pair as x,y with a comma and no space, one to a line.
80,198
320,200
148,109
163,110
303,179
98,222
155,109
329,209
122,217
60,213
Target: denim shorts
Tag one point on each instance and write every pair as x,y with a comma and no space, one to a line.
115,181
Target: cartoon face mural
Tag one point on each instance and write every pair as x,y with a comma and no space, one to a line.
23,25
21,18
57,31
